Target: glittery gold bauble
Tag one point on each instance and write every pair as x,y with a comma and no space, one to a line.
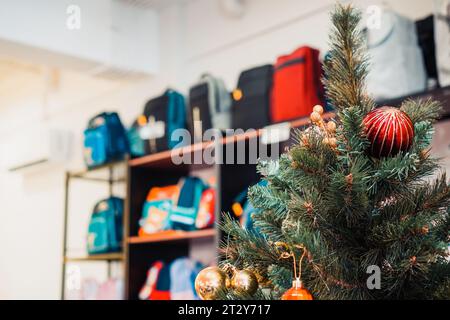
331,126
332,142
245,281
318,108
315,117
210,282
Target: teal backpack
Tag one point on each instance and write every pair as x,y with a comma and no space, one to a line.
184,213
165,114
106,227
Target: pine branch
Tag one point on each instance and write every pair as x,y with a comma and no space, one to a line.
422,110
346,71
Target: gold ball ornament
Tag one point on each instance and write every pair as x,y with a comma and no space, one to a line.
315,117
318,108
245,281
210,282
332,142
331,126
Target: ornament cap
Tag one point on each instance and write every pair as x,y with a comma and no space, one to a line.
297,283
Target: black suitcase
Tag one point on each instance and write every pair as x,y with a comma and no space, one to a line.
155,111
251,99
199,115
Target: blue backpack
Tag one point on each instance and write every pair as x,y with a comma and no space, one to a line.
137,144
105,140
184,213
164,115
183,272
106,226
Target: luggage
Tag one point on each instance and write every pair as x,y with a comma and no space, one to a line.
397,67
106,227
183,272
251,99
297,85
171,281
105,140
157,209
157,284
188,205
425,36
184,213
165,114
135,139
209,107
442,40
206,210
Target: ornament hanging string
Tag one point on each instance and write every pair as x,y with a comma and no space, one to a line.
291,254
288,253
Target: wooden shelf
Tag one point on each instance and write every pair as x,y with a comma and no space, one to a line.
166,236
117,256
440,94
101,173
163,159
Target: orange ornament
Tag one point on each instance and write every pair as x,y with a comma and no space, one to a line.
297,292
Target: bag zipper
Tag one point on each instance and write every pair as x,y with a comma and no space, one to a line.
290,63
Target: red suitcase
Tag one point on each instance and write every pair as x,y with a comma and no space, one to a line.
297,85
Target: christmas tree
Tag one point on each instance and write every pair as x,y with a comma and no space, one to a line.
353,195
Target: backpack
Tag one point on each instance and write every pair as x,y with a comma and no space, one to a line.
105,140
164,114
251,99
106,226
397,67
157,209
206,209
209,106
425,36
183,272
188,205
297,85
111,289
135,139
157,284
184,213
442,40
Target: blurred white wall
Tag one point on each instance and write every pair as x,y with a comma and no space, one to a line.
195,37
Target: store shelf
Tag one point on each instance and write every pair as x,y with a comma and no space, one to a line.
440,94
166,236
163,159
102,173
98,257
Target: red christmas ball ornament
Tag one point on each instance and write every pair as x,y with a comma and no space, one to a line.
389,131
297,292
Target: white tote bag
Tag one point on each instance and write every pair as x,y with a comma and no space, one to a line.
442,40
397,68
